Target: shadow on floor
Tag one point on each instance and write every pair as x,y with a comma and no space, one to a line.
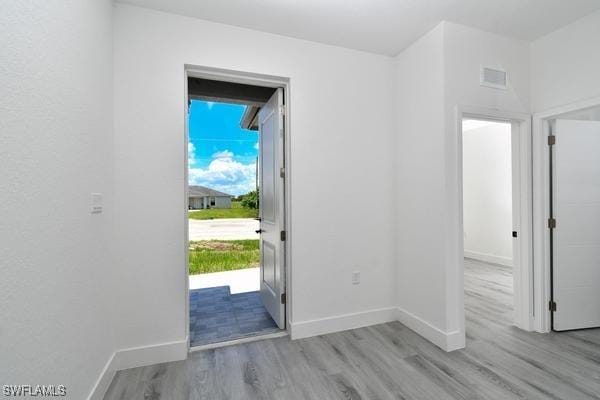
216,316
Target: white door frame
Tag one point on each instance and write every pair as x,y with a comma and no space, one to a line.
522,270
541,196
248,78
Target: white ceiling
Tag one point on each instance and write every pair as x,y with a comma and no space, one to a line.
380,26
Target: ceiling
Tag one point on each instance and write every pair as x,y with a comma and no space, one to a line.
380,26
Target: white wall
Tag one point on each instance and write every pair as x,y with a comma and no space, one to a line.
441,70
55,149
333,152
420,179
487,193
565,65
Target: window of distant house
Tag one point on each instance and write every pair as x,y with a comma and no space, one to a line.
212,202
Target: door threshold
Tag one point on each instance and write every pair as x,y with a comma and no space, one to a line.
233,342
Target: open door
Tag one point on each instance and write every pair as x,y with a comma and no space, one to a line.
576,217
271,196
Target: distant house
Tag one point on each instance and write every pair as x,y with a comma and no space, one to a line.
201,197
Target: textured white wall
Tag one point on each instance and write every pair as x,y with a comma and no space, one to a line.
487,193
55,149
565,65
341,135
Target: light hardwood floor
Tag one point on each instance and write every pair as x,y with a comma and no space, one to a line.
389,361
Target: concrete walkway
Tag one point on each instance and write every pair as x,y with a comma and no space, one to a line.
239,281
223,229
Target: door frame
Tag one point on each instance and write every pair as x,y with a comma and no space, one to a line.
541,122
523,270
249,78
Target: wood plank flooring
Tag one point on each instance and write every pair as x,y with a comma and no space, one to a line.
389,361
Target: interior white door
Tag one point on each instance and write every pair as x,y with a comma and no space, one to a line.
271,199
576,237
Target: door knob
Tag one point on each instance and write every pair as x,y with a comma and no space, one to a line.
258,231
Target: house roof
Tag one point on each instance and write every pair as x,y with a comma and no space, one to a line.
250,118
203,191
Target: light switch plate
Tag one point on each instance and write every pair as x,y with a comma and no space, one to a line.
96,206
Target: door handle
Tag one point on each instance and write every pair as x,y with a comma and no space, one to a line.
258,230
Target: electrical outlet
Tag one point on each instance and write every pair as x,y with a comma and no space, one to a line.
355,277
96,203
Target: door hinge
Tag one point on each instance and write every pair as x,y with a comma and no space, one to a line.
282,110
552,306
282,172
283,298
282,236
551,223
551,140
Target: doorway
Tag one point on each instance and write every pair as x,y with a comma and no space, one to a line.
489,220
503,240
236,208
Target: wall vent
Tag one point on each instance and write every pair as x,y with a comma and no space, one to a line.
493,77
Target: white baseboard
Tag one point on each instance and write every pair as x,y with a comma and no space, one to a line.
137,357
148,355
447,341
103,382
491,258
304,329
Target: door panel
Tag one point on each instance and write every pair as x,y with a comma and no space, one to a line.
269,267
271,195
576,238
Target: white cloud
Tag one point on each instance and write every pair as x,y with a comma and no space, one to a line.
223,154
191,154
225,174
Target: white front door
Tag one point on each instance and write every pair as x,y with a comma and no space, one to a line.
576,237
271,199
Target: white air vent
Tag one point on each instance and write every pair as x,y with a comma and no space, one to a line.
493,77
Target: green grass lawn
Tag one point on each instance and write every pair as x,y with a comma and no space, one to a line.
222,255
236,211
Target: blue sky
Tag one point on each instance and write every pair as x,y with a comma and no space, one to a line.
221,155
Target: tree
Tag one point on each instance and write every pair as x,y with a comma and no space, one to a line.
250,200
